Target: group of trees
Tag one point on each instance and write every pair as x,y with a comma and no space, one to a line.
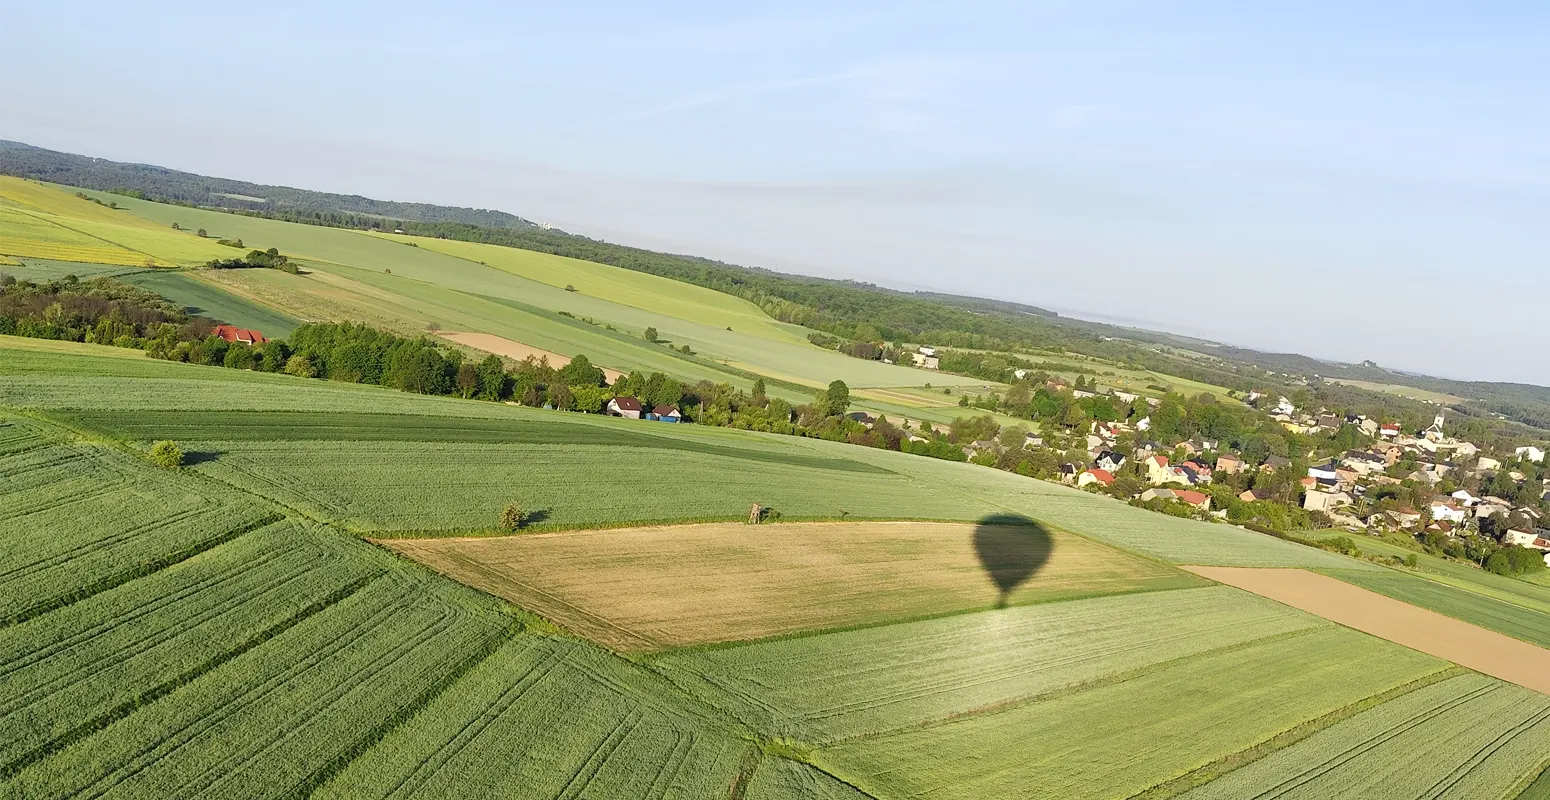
100,310
255,259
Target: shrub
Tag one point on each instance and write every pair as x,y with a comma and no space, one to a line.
167,454
512,517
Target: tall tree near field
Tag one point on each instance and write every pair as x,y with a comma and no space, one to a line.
835,400
650,334
758,397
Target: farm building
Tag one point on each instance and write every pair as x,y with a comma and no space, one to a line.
627,407
664,413
234,334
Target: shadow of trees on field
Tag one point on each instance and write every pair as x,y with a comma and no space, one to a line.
1011,549
535,516
200,457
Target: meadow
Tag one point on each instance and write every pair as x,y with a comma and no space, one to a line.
655,588
1520,622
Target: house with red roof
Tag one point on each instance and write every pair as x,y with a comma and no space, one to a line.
1099,476
235,335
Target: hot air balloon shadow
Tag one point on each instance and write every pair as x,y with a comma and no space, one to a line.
1011,549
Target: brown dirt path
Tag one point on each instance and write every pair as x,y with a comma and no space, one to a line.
1467,645
501,346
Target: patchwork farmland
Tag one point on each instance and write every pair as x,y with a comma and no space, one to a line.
246,626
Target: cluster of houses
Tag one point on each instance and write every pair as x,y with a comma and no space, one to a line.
1337,486
631,408
926,358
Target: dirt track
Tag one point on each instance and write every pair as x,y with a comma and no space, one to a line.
1416,628
501,346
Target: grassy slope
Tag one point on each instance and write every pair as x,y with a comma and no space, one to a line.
637,289
41,213
208,300
769,348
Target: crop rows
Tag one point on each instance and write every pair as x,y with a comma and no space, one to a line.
70,672
880,679
1469,737
552,718
464,486
280,718
1120,738
783,779
109,521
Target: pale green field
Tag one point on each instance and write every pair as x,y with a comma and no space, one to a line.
625,287
1067,746
443,280
48,222
1424,395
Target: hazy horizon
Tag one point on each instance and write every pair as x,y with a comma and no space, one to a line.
1345,184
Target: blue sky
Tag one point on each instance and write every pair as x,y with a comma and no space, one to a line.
1353,183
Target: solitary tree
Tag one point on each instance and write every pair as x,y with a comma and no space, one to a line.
512,517
836,400
202,234
650,334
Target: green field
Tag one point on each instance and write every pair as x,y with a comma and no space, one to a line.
1528,624
204,299
1165,722
1467,738
221,631
873,681
40,221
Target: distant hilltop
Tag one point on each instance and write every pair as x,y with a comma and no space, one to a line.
168,185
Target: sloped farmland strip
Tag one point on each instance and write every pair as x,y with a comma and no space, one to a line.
268,722
863,682
1121,738
552,718
69,673
1467,738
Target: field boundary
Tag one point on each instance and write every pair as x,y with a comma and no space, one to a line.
1209,772
1077,688
1485,651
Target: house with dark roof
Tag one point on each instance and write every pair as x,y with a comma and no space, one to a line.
664,413
627,407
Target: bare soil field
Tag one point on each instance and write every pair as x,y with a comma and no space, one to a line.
1467,645
501,346
642,589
